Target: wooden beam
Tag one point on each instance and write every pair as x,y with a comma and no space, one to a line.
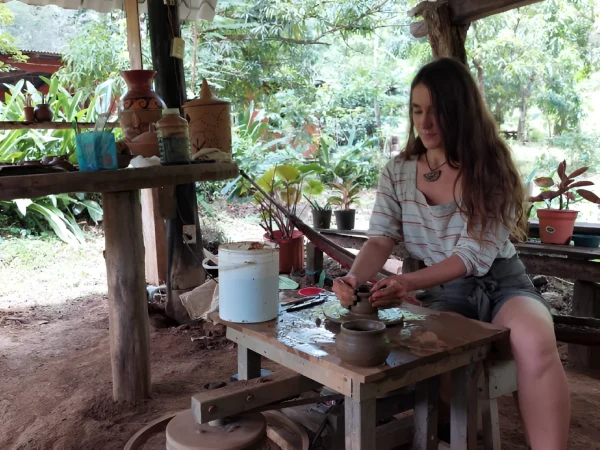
155,237
586,302
463,12
14,125
134,42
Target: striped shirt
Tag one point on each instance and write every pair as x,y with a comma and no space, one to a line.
431,233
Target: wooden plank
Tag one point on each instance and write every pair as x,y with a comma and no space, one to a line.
237,398
586,302
562,267
314,262
426,414
491,424
463,409
394,434
155,238
29,186
134,43
360,424
501,377
128,312
8,125
248,363
467,11
569,251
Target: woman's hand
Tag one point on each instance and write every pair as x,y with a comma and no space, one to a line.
344,287
389,292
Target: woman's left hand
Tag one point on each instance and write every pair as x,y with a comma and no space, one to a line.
389,292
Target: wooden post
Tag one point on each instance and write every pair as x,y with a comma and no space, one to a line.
314,263
586,303
248,363
127,301
184,261
446,39
155,231
463,409
134,44
360,423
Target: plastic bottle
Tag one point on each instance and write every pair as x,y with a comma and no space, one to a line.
173,138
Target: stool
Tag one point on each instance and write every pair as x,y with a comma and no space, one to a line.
498,378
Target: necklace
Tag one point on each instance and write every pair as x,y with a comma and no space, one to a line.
434,174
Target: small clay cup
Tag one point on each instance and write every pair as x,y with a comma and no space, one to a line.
28,114
363,343
363,305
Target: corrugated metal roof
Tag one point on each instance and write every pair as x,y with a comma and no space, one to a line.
188,9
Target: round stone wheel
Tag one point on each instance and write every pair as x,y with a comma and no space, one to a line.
183,433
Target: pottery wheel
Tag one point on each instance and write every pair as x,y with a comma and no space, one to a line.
183,433
337,313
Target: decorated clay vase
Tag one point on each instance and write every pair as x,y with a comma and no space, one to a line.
210,121
363,343
141,105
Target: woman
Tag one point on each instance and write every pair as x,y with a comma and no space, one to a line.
455,195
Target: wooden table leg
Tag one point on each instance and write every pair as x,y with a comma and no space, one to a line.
127,301
248,363
427,394
586,303
360,424
463,409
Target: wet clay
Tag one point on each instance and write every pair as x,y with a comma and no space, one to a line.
245,433
334,312
363,343
363,306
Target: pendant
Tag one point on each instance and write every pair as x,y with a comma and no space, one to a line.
433,175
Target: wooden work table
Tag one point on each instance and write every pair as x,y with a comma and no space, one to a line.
427,345
563,261
124,252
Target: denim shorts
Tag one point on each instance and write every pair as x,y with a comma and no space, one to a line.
481,298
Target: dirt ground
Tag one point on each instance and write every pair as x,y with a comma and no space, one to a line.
55,380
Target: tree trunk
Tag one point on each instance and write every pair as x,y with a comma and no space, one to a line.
446,40
522,130
378,125
480,77
499,113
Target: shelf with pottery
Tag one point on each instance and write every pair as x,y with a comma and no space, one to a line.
7,125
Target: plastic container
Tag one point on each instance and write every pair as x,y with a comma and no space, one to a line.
96,151
586,240
248,282
173,138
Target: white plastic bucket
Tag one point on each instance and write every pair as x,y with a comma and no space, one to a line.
248,282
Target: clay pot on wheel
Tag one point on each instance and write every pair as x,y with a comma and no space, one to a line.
363,343
363,306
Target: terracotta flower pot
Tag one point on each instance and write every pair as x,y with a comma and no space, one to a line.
363,343
291,251
28,113
556,225
141,105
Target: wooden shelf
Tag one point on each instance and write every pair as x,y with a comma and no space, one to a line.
30,186
48,125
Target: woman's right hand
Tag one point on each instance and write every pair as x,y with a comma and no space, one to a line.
344,287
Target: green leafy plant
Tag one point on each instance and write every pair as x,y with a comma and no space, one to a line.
312,189
348,193
564,188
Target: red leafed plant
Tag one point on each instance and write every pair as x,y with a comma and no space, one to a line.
563,190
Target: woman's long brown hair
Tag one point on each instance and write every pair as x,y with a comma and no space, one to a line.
492,189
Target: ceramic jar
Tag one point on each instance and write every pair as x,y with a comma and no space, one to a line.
363,343
210,121
43,113
141,105
28,113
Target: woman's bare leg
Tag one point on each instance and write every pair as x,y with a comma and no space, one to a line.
543,391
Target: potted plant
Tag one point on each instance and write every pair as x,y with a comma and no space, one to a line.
321,214
348,194
556,225
285,184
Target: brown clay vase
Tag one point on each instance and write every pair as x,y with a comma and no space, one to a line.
363,343
363,306
43,113
210,121
141,105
